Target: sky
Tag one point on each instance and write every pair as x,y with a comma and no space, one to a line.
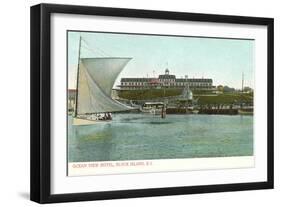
223,60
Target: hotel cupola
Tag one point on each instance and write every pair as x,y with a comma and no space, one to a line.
167,76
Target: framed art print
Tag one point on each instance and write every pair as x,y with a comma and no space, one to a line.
132,103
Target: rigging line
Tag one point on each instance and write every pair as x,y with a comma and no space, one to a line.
101,51
96,48
95,52
106,54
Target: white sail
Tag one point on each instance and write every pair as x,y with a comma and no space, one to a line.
96,79
104,71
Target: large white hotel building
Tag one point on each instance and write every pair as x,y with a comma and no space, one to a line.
166,81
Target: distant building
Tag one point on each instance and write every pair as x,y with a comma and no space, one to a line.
166,81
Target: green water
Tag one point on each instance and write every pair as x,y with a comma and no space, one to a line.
143,136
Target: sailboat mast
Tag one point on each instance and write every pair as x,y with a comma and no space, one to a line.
77,81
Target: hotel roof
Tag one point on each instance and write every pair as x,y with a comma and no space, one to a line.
176,79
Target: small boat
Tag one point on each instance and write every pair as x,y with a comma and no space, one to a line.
155,108
195,111
246,111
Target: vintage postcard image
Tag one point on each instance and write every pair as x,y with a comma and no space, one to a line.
140,103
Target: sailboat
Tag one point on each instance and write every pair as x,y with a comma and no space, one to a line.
95,80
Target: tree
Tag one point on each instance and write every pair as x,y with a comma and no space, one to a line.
247,89
220,88
228,89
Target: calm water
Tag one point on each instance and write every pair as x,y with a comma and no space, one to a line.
142,136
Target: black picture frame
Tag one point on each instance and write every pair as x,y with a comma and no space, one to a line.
41,102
